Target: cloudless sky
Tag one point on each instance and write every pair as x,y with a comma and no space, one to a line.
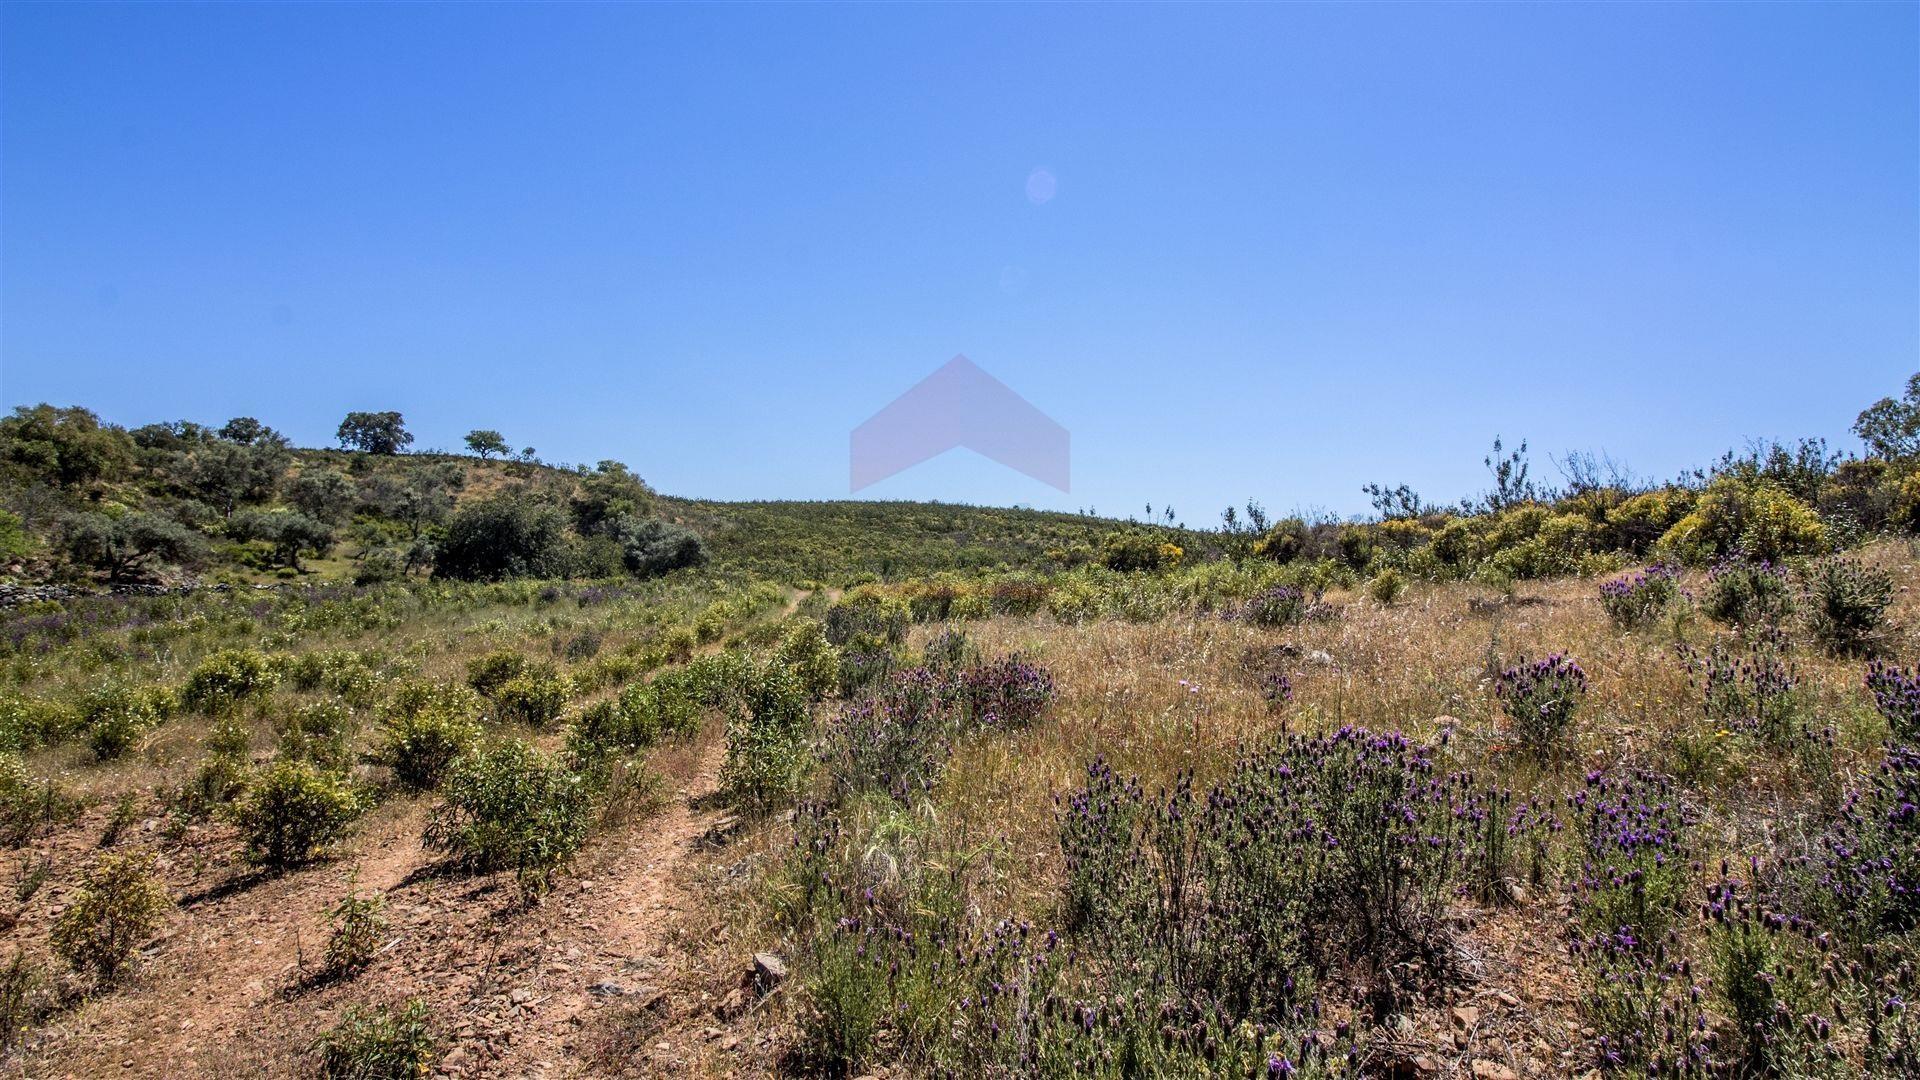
1289,250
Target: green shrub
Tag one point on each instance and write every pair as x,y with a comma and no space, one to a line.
1137,549
509,807
535,698
1387,586
767,728
26,803
295,812
504,536
120,905
223,774
582,646
644,714
650,547
115,718
355,676
1075,600
320,732
490,672
28,722
1284,542
866,619
1758,517
379,566
423,729
356,924
803,646
1846,605
227,679
378,1043
22,1001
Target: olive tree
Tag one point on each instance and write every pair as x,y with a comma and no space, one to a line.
129,544
505,536
375,432
227,474
650,546
66,447
1890,428
287,532
323,494
487,442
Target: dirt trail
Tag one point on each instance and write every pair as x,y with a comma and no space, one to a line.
226,991
230,990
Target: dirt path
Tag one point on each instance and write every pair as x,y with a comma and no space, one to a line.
230,988
225,991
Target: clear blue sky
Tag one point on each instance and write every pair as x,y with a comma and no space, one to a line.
1290,249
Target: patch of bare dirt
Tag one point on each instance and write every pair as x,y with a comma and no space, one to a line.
231,987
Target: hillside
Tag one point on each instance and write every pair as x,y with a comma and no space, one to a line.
487,768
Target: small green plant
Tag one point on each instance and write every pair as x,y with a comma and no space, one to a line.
510,807
490,672
227,679
125,813
1847,605
26,803
22,1004
423,728
378,1043
320,732
535,698
767,728
357,924
222,774
115,718
120,905
33,874
1387,586
294,813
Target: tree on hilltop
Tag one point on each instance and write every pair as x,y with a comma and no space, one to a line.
486,442
375,432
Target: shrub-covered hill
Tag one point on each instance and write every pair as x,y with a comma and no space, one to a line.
848,541
82,500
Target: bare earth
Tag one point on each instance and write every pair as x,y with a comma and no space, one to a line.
228,989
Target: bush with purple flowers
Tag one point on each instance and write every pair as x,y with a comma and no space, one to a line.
1896,694
1541,697
1847,605
897,737
1512,841
1862,886
1754,691
1629,892
1641,597
1748,593
1767,984
1870,858
1313,854
1006,692
1281,605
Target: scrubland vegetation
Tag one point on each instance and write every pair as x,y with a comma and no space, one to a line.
489,767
